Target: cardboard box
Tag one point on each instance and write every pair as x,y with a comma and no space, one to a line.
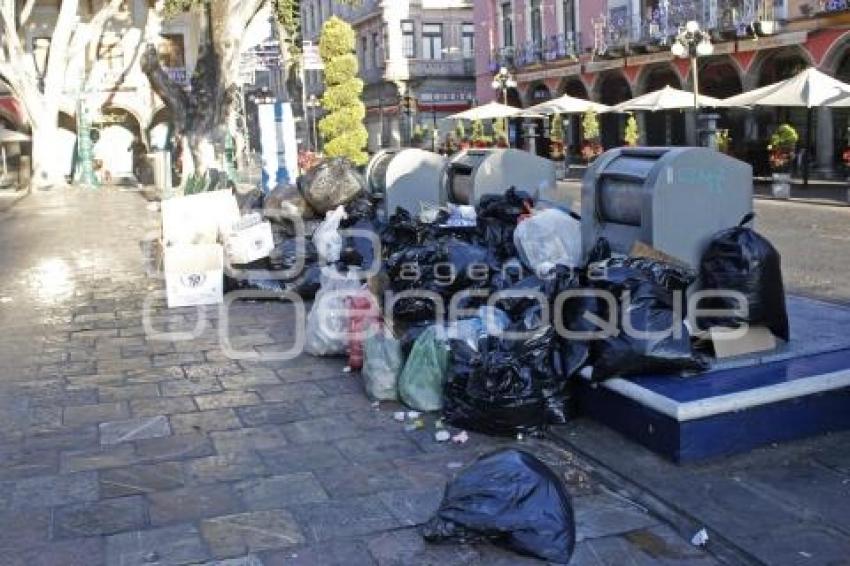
194,275
757,339
198,219
249,244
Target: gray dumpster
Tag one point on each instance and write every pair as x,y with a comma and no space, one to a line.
406,178
474,173
671,198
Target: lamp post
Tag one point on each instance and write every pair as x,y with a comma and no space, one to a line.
502,82
313,108
693,42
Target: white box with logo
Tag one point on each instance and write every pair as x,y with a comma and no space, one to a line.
244,245
198,219
194,275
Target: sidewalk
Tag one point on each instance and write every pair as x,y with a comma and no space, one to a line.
120,447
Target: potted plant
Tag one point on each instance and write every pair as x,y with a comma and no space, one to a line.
556,137
781,150
478,138
724,142
632,134
591,148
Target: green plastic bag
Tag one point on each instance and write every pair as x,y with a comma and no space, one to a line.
382,364
421,382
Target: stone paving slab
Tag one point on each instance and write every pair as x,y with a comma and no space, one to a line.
123,448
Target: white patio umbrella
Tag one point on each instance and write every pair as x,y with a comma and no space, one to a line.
808,89
564,105
489,111
9,136
667,98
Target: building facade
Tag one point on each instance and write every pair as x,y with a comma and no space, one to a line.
109,77
420,50
612,50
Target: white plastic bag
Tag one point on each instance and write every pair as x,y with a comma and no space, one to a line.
327,239
327,323
382,364
550,237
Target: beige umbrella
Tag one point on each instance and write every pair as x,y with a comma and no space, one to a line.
667,98
489,111
10,136
564,105
809,89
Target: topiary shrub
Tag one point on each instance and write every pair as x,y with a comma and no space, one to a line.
342,127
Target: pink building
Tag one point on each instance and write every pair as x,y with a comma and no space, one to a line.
612,50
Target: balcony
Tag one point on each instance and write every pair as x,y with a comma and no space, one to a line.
455,67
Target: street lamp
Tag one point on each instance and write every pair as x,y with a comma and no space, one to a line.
502,82
693,42
313,105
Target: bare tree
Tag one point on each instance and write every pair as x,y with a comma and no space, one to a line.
69,41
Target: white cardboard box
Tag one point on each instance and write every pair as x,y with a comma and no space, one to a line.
249,244
194,275
198,219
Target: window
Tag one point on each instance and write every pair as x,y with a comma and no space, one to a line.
312,18
569,7
507,25
363,49
376,43
536,22
467,41
408,41
432,41
172,51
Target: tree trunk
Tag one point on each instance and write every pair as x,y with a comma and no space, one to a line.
47,170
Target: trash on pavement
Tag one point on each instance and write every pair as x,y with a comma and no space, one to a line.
327,322
505,386
548,238
198,218
461,438
420,384
511,499
285,202
327,239
741,260
331,183
442,436
194,275
399,416
700,538
249,239
362,315
656,342
382,364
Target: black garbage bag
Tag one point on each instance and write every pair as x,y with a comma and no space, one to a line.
574,306
358,248
306,281
505,387
498,216
518,296
509,498
741,260
600,251
657,341
361,208
671,277
254,276
249,200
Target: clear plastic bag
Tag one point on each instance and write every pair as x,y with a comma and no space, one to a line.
550,237
327,239
420,385
382,364
327,323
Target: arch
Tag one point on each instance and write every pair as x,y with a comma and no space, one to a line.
775,65
722,78
573,86
537,93
834,57
661,128
611,89
119,130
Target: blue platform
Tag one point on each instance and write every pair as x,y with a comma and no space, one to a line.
800,390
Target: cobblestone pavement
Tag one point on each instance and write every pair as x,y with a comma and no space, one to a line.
120,446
